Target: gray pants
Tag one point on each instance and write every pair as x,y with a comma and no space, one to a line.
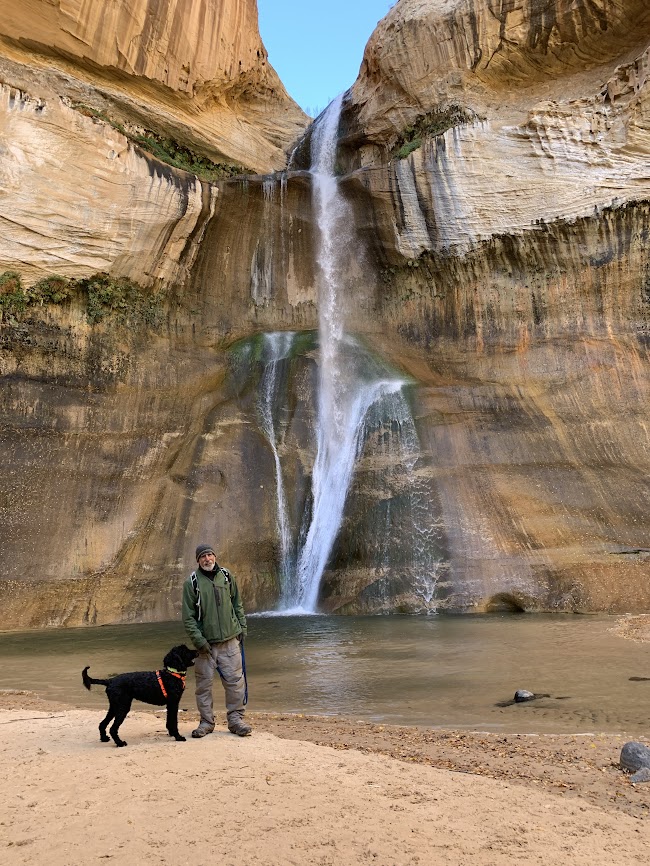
227,656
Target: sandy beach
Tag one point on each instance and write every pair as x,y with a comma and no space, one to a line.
309,790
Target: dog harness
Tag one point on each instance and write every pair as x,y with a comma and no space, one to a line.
179,676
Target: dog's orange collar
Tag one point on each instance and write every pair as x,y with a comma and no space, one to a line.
178,676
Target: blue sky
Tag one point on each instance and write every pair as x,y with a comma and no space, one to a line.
317,47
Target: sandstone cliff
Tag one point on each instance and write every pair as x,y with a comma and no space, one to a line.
496,158
192,70
501,155
90,91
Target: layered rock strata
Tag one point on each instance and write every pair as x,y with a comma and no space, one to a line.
88,91
193,70
496,158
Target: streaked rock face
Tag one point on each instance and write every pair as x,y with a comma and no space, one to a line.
78,198
78,195
560,97
493,56
508,275
514,281
171,42
193,70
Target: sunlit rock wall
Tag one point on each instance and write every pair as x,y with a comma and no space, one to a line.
126,443
512,252
194,70
77,198
81,84
506,273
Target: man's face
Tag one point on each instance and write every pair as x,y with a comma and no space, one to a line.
207,561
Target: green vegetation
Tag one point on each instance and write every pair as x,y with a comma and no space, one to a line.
121,300
116,298
52,290
15,299
428,125
167,150
12,297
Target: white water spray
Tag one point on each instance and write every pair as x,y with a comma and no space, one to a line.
415,560
357,394
277,348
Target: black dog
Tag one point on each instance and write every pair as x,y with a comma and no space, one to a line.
161,687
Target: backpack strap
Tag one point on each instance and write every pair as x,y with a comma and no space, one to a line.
230,583
197,592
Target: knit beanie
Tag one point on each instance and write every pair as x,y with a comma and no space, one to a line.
204,548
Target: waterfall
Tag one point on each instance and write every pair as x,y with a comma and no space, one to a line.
345,392
357,394
276,349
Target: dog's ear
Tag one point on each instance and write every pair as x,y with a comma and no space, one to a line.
189,655
173,659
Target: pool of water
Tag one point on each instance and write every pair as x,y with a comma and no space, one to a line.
436,671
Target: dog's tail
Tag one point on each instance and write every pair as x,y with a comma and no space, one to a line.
89,681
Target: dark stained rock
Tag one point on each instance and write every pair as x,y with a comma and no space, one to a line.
635,759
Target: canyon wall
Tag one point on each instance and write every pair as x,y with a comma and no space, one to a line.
496,158
93,95
499,160
194,71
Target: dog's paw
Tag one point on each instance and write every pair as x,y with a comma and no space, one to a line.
104,738
120,743
179,739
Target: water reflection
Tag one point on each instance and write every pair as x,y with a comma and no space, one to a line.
432,671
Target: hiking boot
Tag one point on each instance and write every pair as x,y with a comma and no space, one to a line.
203,729
239,727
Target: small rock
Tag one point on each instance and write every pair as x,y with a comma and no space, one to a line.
635,757
522,695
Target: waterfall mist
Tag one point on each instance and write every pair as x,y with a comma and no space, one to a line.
350,380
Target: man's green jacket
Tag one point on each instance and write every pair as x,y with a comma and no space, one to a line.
221,610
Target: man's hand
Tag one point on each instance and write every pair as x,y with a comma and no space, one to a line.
205,650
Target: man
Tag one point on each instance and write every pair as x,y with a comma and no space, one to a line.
213,616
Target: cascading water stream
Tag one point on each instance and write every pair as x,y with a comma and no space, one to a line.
391,421
276,349
358,396
344,395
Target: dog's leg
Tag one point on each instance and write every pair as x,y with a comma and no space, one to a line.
121,712
104,724
172,721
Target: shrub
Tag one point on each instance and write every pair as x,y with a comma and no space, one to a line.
52,290
428,125
117,298
12,297
120,299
